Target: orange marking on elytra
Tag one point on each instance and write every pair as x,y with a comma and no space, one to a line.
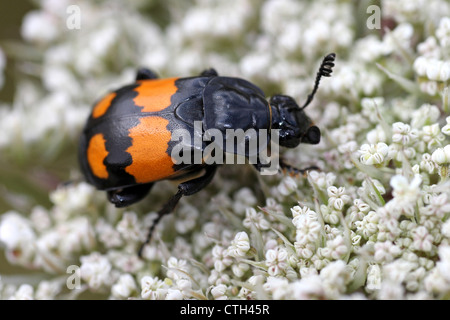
150,140
154,95
96,154
102,106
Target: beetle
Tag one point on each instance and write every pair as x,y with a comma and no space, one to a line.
125,147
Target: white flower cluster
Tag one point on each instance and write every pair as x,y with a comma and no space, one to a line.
432,65
373,223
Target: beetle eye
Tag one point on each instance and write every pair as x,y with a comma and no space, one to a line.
312,136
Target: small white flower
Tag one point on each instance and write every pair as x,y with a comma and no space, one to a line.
373,282
330,215
432,136
48,290
348,147
429,49
432,68
438,206
95,270
399,38
25,292
309,287
441,155
176,268
108,235
129,227
174,294
443,32
446,129
368,188
124,287
391,290
243,199
302,213
403,134
335,276
426,114
374,153
39,26
398,270
287,186
185,286
277,286
445,229
385,251
427,163
153,288
307,229
335,249
255,218
219,292
368,226
240,269
422,239
344,133
186,219
337,197
438,70
375,136
239,245
405,191
321,179
40,218
276,261
217,278
371,107
304,250
420,66
72,198
221,258
19,238
15,230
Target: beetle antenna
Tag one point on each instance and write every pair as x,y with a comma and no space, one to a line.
325,70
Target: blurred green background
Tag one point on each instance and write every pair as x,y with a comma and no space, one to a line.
11,14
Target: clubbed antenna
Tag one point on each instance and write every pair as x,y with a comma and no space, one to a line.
325,70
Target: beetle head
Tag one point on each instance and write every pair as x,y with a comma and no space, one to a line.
294,125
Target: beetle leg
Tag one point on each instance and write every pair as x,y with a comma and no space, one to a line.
145,74
209,73
127,196
184,189
293,170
